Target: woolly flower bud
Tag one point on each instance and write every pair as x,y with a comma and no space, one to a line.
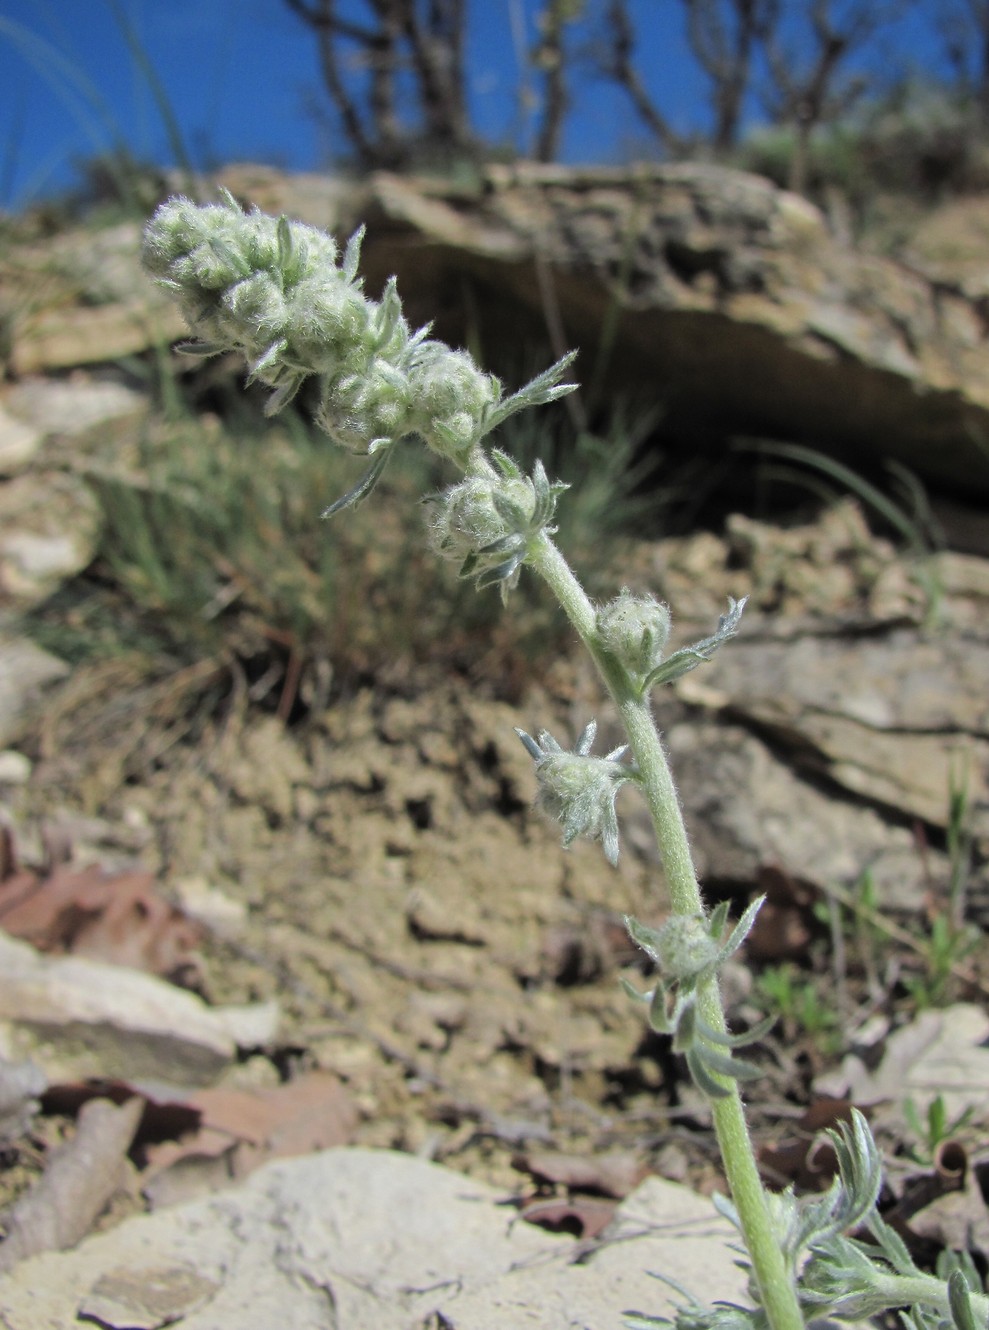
635,629
268,288
191,245
684,946
467,518
357,410
253,314
452,397
579,790
329,325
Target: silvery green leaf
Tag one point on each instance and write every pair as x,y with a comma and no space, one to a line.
703,1079
283,394
719,917
688,658
726,1065
263,361
509,511
892,1246
950,1261
740,932
545,387
960,1302
753,1036
419,336
585,740
230,256
389,311
201,348
508,467
363,487
285,246
352,254
692,1315
646,938
503,574
229,199
685,1036
861,1170
502,545
738,1040
531,747
661,1019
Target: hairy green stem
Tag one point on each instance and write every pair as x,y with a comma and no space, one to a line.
776,1288
927,1291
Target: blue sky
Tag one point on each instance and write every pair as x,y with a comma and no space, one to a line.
242,75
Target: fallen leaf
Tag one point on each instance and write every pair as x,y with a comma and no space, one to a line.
611,1175
241,1129
113,917
79,1180
583,1216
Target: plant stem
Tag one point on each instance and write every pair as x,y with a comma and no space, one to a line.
775,1281
926,1291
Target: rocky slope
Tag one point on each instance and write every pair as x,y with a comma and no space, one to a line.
354,867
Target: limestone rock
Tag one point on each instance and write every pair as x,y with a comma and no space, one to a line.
19,443
25,670
736,304
49,527
73,405
893,717
374,1240
79,1017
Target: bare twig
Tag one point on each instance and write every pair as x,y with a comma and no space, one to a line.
80,1179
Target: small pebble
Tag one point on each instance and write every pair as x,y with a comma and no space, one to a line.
15,768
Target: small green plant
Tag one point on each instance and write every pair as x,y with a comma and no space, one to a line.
794,998
943,950
909,515
282,294
933,1128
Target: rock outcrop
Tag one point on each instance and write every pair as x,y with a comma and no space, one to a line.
711,291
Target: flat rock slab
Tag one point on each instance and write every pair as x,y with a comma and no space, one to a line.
355,1239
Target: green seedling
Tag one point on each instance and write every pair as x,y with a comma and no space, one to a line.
934,1127
793,997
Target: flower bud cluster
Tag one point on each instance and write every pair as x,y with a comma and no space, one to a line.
488,521
579,790
273,291
689,949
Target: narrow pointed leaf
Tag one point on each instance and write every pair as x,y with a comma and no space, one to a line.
702,1078
285,246
352,254
363,487
740,932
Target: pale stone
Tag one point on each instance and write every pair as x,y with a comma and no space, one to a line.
25,671
86,1018
19,442
373,1240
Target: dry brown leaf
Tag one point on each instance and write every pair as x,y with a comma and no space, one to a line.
612,1175
244,1129
584,1216
113,917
